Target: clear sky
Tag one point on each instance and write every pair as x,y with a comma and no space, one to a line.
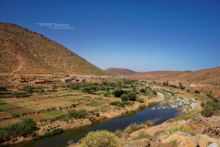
142,35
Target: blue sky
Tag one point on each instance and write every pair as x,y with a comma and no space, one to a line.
142,35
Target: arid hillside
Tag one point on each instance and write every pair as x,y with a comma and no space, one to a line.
152,75
205,76
25,52
120,71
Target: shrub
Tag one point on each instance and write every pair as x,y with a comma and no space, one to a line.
2,88
143,90
51,133
179,129
118,133
133,127
166,83
196,91
132,96
120,104
100,139
124,97
142,135
77,113
154,92
140,100
152,104
74,86
210,108
142,107
119,92
28,89
54,88
23,128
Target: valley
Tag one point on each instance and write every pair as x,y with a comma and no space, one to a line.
50,96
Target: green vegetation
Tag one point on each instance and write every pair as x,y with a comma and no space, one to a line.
24,128
119,92
140,100
131,96
53,113
51,133
197,91
210,108
17,94
95,103
2,88
106,94
100,139
133,127
118,133
142,107
142,135
77,113
152,104
179,129
121,104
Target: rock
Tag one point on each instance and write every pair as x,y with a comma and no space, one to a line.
212,131
213,145
204,140
183,139
149,122
137,143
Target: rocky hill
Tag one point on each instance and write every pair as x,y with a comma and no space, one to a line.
25,52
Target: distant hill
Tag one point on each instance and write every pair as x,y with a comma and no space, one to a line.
152,75
206,76
120,71
25,52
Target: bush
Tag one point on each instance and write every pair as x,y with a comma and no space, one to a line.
152,104
196,91
51,133
118,92
142,107
143,90
154,92
74,86
77,113
124,97
210,108
120,104
140,100
132,96
100,139
179,129
2,88
28,89
133,127
23,128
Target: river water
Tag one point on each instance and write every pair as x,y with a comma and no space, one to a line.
157,114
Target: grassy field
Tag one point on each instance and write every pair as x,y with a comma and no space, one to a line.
54,113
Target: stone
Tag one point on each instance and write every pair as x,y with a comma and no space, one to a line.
213,145
183,139
204,140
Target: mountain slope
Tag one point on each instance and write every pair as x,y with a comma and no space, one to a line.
120,71
25,52
152,75
211,76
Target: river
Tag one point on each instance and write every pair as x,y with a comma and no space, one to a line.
157,114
